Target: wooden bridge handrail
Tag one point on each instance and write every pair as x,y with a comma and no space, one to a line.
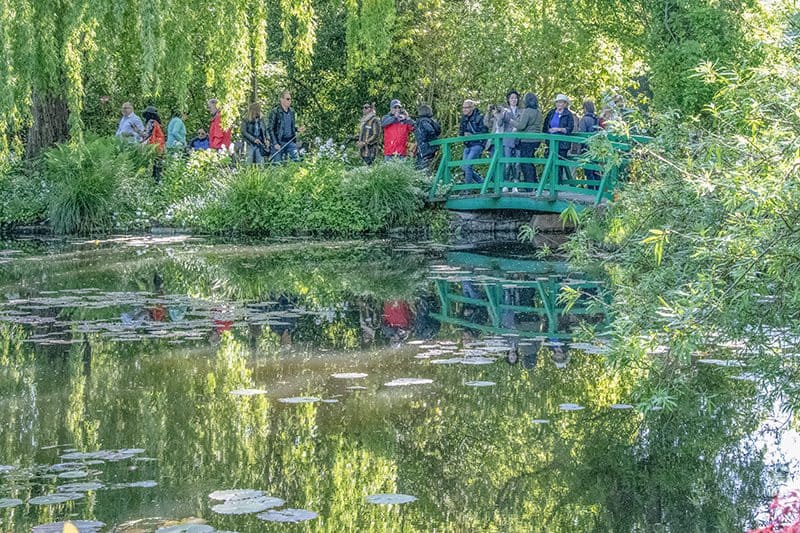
619,143
555,177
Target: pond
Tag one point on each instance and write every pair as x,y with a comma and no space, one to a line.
175,384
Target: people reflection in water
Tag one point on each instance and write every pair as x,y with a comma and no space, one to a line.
154,311
560,354
396,325
525,351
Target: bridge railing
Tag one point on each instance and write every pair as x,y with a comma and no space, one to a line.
549,183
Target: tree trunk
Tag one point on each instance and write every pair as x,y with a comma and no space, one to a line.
50,115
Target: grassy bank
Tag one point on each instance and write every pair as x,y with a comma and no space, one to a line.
106,186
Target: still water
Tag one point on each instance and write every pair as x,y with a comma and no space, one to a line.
174,384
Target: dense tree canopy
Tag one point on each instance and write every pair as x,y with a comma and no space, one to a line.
71,63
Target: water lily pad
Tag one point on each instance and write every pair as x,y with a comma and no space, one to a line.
80,487
480,383
349,375
299,399
235,494
621,406
401,382
147,484
449,361
9,502
247,392
83,526
288,515
721,362
64,467
388,499
73,456
570,407
73,474
248,505
187,528
53,499
477,361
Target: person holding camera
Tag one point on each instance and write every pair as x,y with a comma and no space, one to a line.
254,133
397,126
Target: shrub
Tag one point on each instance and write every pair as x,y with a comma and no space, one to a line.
96,185
318,195
387,193
23,195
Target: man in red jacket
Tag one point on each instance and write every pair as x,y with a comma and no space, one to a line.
217,137
396,127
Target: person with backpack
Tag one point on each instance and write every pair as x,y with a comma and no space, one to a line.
589,123
529,121
426,130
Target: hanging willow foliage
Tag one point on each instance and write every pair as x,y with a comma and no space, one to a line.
67,65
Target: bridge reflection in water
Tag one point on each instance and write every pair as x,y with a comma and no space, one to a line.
517,298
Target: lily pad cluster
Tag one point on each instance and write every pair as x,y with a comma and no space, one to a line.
250,501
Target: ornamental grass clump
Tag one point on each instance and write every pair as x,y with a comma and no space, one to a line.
95,183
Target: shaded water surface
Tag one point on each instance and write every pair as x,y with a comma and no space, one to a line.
347,387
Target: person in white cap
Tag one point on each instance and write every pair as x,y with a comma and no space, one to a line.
559,121
396,127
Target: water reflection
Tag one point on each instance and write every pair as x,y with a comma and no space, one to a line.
115,348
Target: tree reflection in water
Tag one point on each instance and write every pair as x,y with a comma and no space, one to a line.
475,457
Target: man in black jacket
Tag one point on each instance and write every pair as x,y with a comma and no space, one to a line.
471,124
283,130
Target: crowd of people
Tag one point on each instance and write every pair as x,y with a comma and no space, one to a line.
275,138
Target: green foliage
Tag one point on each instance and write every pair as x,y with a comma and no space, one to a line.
723,268
23,195
316,196
93,183
683,36
527,233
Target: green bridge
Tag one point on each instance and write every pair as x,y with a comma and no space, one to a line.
548,194
516,297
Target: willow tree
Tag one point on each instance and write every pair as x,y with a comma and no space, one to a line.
64,57
44,44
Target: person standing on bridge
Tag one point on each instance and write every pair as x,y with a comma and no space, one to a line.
529,121
397,126
471,124
559,121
